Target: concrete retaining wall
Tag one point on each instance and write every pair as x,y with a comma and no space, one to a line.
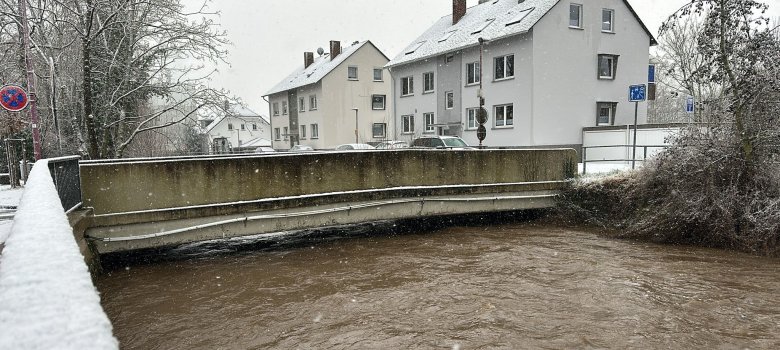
121,187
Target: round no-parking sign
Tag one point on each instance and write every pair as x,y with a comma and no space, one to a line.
13,98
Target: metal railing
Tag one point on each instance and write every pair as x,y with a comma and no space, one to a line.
628,148
65,173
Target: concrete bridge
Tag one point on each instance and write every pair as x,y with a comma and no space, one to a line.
137,204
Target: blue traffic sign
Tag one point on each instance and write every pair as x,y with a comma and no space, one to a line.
651,74
13,98
689,105
637,93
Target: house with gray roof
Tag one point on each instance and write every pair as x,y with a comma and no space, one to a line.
339,97
542,69
239,129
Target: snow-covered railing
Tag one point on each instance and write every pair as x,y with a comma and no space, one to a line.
47,299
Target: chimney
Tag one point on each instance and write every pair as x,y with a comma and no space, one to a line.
308,59
335,48
458,10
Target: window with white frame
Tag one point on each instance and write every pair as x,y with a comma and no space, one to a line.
575,16
407,86
504,116
428,83
285,133
352,73
301,104
378,74
312,102
303,131
449,100
378,102
315,131
472,73
379,130
407,124
430,119
277,134
504,67
608,20
606,113
607,66
275,108
471,118
284,107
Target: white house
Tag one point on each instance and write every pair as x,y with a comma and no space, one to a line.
342,96
239,130
551,68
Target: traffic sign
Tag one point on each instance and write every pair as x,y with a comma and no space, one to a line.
13,98
689,105
481,133
482,115
637,93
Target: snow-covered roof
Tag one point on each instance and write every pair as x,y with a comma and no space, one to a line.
491,20
258,142
236,111
316,71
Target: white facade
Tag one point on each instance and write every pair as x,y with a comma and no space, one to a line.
555,89
241,127
327,103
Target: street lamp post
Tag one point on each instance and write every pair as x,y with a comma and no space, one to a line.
356,124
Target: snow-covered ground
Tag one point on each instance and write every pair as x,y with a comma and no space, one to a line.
47,299
9,198
601,168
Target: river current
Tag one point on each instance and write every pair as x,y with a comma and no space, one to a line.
500,286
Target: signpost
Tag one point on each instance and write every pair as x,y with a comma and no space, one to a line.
636,94
13,98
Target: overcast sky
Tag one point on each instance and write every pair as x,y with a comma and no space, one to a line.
269,36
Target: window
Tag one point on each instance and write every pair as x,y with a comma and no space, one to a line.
378,102
483,26
275,108
606,113
379,130
447,35
575,16
277,134
312,102
471,118
254,126
428,82
315,131
284,107
378,74
243,127
607,66
285,133
429,121
472,73
449,58
607,20
449,100
352,73
504,116
407,122
407,86
303,131
301,104
504,67
230,126
414,48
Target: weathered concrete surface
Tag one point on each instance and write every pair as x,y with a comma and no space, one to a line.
134,186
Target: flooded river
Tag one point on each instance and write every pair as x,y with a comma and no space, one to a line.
510,286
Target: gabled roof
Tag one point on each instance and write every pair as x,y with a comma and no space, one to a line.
319,69
236,111
491,20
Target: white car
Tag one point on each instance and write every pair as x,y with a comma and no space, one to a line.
264,149
393,145
354,146
301,148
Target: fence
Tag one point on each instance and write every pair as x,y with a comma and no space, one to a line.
65,173
641,150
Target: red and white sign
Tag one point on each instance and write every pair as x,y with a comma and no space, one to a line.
13,98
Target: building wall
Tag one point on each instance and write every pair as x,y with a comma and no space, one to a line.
417,104
341,95
237,137
278,121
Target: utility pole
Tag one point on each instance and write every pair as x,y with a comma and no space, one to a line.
30,80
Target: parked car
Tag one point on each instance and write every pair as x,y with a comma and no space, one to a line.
264,149
354,146
301,148
449,142
393,145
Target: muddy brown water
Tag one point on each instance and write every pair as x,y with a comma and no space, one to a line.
512,286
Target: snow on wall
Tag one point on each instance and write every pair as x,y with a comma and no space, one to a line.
47,299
